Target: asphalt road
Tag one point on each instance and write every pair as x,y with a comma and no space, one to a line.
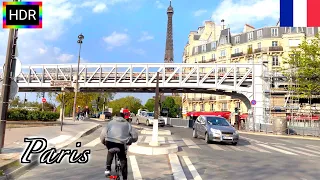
255,158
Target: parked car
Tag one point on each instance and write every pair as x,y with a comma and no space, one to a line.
147,118
214,128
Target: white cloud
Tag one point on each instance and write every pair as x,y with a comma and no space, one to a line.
239,12
65,58
116,40
145,37
34,44
101,7
199,12
160,5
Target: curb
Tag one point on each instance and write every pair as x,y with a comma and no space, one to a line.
282,136
34,160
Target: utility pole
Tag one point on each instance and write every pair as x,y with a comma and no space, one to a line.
42,101
7,77
156,101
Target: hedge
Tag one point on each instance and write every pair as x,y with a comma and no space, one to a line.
23,114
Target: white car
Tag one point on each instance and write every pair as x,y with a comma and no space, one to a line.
147,118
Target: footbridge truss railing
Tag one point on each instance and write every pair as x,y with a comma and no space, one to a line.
176,77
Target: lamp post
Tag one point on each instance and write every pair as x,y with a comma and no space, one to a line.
80,38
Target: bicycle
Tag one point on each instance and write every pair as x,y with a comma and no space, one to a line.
117,162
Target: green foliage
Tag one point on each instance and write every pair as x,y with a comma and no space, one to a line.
23,114
131,102
173,107
84,99
303,66
17,102
150,105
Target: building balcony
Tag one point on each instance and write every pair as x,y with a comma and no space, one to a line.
276,48
236,55
211,60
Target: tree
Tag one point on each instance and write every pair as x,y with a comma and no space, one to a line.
178,100
131,102
150,104
303,68
172,107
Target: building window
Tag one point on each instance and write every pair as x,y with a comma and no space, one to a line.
259,33
294,30
202,107
236,50
274,43
203,48
274,32
224,107
250,36
213,45
196,50
275,61
259,45
213,56
194,107
288,30
203,58
223,40
310,31
195,60
238,105
212,107
237,39
223,53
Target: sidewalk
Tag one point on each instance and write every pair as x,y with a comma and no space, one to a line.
14,139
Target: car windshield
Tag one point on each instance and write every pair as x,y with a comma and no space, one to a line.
150,114
217,121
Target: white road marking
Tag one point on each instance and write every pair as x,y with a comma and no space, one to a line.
170,140
276,149
257,149
93,143
235,148
191,168
304,149
139,139
135,168
190,143
249,139
148,139
313,147
296,151
58,139
176,168
216,147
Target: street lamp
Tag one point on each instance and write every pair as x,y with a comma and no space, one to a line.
80,38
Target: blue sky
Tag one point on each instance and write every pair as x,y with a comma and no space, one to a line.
128,31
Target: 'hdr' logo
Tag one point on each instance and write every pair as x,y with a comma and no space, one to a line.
22,15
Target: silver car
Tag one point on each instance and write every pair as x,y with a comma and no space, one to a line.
214,128
147,118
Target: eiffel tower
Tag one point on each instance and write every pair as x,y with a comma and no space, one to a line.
168,57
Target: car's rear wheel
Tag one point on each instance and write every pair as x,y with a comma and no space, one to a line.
194,133
234,143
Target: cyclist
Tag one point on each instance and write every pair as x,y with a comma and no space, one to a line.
117,134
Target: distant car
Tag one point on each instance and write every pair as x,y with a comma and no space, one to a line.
147,118
214,128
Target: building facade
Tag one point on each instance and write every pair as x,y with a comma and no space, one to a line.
212,43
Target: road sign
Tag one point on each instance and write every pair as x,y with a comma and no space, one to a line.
59,83
16,67
253,102
44,100
13,89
